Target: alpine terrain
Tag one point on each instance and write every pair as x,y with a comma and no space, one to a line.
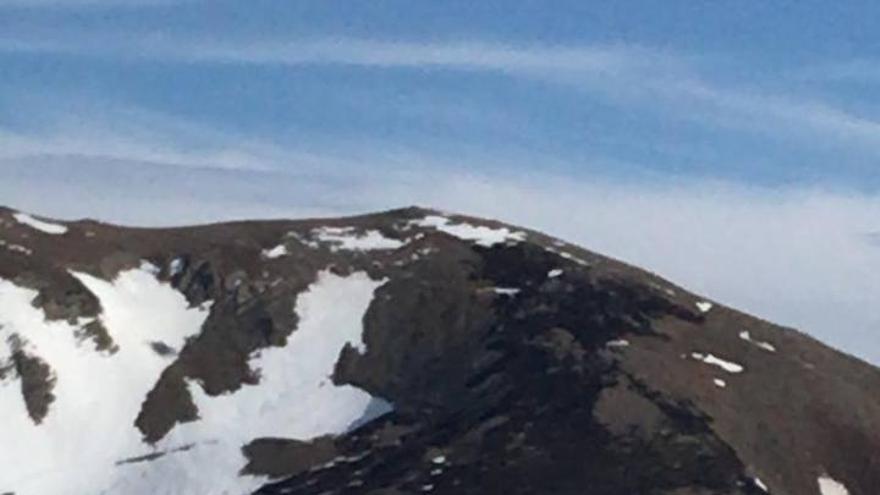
404,352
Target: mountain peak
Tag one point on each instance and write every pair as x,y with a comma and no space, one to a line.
407,351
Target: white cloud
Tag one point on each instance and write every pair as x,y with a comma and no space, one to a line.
775,114
538,60
123,148
145,138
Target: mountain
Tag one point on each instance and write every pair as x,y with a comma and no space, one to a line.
404,352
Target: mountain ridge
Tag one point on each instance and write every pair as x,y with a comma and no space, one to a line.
644,374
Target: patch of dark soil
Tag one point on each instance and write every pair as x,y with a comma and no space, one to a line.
275,457
37,383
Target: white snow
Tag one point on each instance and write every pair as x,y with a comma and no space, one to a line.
555,273
727,366
17,248
568,256
150,268
42,226
830,486
618,343
440,459
745,335
175,267
276,252
20,249
295,398
90,425
761,485
427,251
704,306
720,383
506,291
478,234
347,239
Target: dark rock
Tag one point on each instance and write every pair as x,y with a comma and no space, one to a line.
580,382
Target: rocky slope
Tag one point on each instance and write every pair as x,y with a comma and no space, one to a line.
404,352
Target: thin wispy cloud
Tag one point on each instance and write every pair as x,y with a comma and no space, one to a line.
767,112
106,136
625,75
475,55
144,138
537,61
123,147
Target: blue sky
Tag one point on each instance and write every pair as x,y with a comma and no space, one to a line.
758,92
732,146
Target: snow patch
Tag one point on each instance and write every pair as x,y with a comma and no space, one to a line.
830,486
150,268
275,252
346,239
617,343
727,366
555,273
175,267
567,256
720,383
42,226
760,484
506,291
478,234
427,251
704,306
295,398
16,248
90,424
745,335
